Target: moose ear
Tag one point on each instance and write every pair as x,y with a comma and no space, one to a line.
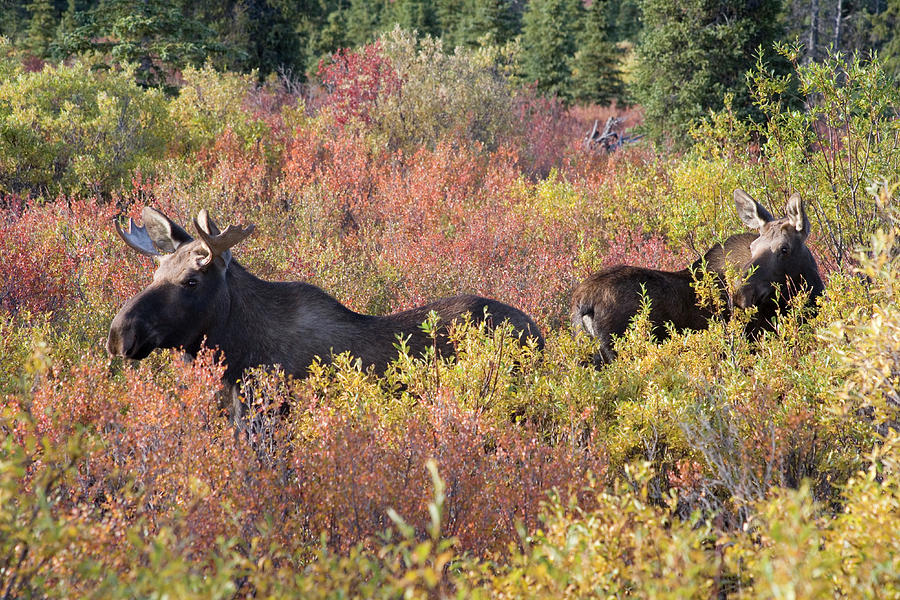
750,211
136,237
796,214
166,234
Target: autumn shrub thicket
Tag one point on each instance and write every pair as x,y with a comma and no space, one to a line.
708,465
68,129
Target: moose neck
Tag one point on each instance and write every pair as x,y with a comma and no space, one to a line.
279,323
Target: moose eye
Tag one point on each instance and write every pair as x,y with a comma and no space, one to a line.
190,282
785,250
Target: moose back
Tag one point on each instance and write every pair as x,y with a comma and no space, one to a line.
199,292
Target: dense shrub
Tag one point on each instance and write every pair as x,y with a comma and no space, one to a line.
36,268
357,82
410,93
210,103
627,545
458,93
67,129
870,338
630,545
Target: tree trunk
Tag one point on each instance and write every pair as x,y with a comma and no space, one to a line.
813,30
838,23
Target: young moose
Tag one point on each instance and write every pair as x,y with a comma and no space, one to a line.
199,292
777,257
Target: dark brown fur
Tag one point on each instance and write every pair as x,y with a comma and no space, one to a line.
198,295
604,304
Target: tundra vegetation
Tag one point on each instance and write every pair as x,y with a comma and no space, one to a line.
705,465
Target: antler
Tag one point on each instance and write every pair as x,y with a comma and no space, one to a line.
219,244
137,237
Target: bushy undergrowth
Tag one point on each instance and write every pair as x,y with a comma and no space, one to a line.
704,466
68,129
845,142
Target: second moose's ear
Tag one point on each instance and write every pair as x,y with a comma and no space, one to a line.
751,212
796,214
157,236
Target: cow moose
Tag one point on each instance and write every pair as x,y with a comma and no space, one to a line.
774,258
200,292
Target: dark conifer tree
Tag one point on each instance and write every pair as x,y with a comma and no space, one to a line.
363,21
884,35
73,15
493,21
272,43
692,53
413,14
549,41
595,70
42,26
14,19
450,15
155,35
624,20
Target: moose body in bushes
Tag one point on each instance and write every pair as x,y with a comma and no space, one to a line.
200,294
775,261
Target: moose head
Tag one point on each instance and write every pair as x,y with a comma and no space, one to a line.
779,258
189,292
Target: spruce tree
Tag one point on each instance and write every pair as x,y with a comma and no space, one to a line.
694,51
624,20
549,34
884,35
71,17
595,70
272,44
492,20
14,19
450,15
42,26
413,14
155,35
363,21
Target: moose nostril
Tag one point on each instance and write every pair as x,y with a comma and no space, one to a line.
743,298
113,346
120,343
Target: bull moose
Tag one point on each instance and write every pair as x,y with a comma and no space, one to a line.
775,258
200,292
